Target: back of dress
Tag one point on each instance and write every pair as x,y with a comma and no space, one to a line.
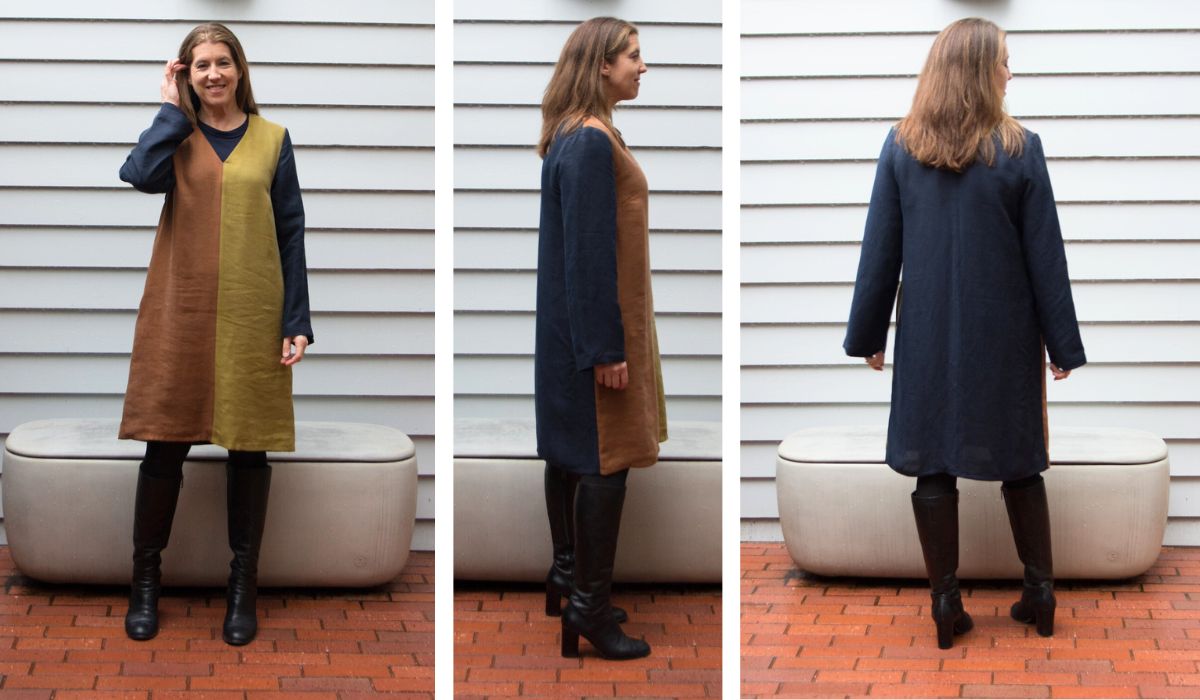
984,292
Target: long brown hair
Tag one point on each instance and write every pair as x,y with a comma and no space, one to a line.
958,109
217,33
576,90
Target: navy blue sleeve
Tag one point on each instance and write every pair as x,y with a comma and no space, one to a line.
289,233
588,188
1046,262
149,166
879,262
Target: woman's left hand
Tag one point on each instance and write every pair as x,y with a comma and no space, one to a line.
290,358
1059,373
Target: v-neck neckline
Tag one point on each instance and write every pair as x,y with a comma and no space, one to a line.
247,124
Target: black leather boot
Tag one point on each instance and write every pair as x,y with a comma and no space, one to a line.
246,498
588,612
153,512
1029,517
937,526
560,508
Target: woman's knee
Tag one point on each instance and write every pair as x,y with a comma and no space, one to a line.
936,485
1028,481
165,459
616,480
247,460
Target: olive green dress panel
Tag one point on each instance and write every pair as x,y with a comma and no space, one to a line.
252,406
660,389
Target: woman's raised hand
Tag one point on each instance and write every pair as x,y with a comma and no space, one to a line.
169,88
614,375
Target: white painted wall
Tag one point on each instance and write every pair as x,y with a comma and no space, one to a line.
353,82
1114,90
504,55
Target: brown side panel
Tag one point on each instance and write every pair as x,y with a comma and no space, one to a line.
628,428
170,391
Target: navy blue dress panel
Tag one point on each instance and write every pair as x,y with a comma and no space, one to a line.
150,168
976,262
578,317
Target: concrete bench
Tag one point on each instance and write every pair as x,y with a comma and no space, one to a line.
341,511
670,526
846,513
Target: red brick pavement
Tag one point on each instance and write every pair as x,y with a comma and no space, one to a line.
67,642
835,637
505,645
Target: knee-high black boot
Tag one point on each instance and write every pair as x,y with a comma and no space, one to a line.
1029,517
937,526
598,504
246,498
560,508
153,513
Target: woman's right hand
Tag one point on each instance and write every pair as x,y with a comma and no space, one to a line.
876,361
614,375
169,88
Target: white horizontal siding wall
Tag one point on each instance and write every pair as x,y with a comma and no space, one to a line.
504,56
352,81
1114,90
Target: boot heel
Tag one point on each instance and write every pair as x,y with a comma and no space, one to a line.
553,601
1045,621
945,634
570,643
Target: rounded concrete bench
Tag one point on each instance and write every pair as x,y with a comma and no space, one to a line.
670,525
341,510
845,512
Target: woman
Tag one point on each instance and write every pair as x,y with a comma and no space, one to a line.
962,201
224,314
597,384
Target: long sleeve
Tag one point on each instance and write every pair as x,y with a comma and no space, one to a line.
587,184
878,264
149,166
289,233
1046,262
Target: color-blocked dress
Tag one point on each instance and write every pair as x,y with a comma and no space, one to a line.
595,306
985,295
227,282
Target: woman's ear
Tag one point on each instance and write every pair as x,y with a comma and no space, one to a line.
605,69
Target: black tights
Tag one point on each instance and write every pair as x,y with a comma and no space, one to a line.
164,460
573,478
611,481
947,484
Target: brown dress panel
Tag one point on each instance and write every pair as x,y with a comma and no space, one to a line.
630,423
170,391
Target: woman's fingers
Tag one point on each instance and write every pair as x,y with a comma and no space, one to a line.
1059,374
169,91
293,350
614,375
876,361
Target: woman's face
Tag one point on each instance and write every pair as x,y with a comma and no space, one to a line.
622,77
214,76
1003,74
